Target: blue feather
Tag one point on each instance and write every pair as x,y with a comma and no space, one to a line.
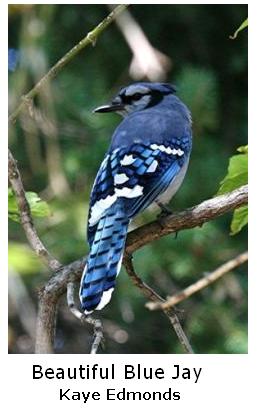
103,261
155,190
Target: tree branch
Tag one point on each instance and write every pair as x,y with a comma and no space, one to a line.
46,320
191,217
25,216
152,295
145,234
90,38
200,284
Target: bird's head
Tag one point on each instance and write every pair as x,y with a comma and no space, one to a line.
137,96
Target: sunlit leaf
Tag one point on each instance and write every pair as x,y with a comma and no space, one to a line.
236,177
38,207
22,259
237,173
243,149
240,219
230,184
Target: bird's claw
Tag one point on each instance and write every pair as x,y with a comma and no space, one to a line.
165,211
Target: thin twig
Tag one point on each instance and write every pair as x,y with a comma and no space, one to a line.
25,216
152,295
98,328
200,284
90,38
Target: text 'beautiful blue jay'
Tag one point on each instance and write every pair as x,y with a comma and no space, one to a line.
146,162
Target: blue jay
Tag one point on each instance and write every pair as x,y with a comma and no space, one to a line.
145,163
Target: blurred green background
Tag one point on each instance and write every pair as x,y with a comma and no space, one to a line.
60,151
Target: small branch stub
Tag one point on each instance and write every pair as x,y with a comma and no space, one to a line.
96,323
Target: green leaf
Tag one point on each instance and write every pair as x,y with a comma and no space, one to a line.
237,173
243,149
12,206
236,177
240,219
242,27
38,207
22,259
231,183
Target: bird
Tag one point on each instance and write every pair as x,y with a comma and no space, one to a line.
146,163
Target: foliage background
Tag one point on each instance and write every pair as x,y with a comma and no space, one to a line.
60,153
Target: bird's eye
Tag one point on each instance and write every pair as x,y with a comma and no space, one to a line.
137,96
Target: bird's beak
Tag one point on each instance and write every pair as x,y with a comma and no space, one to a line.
109,108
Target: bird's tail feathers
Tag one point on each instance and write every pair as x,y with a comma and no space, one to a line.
104,260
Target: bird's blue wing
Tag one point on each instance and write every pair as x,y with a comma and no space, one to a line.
135,177
128,181
154,172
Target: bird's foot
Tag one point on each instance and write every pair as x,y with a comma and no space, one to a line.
165,211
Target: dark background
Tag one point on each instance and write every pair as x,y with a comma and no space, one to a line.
59,154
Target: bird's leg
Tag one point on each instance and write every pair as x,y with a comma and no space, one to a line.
165,211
